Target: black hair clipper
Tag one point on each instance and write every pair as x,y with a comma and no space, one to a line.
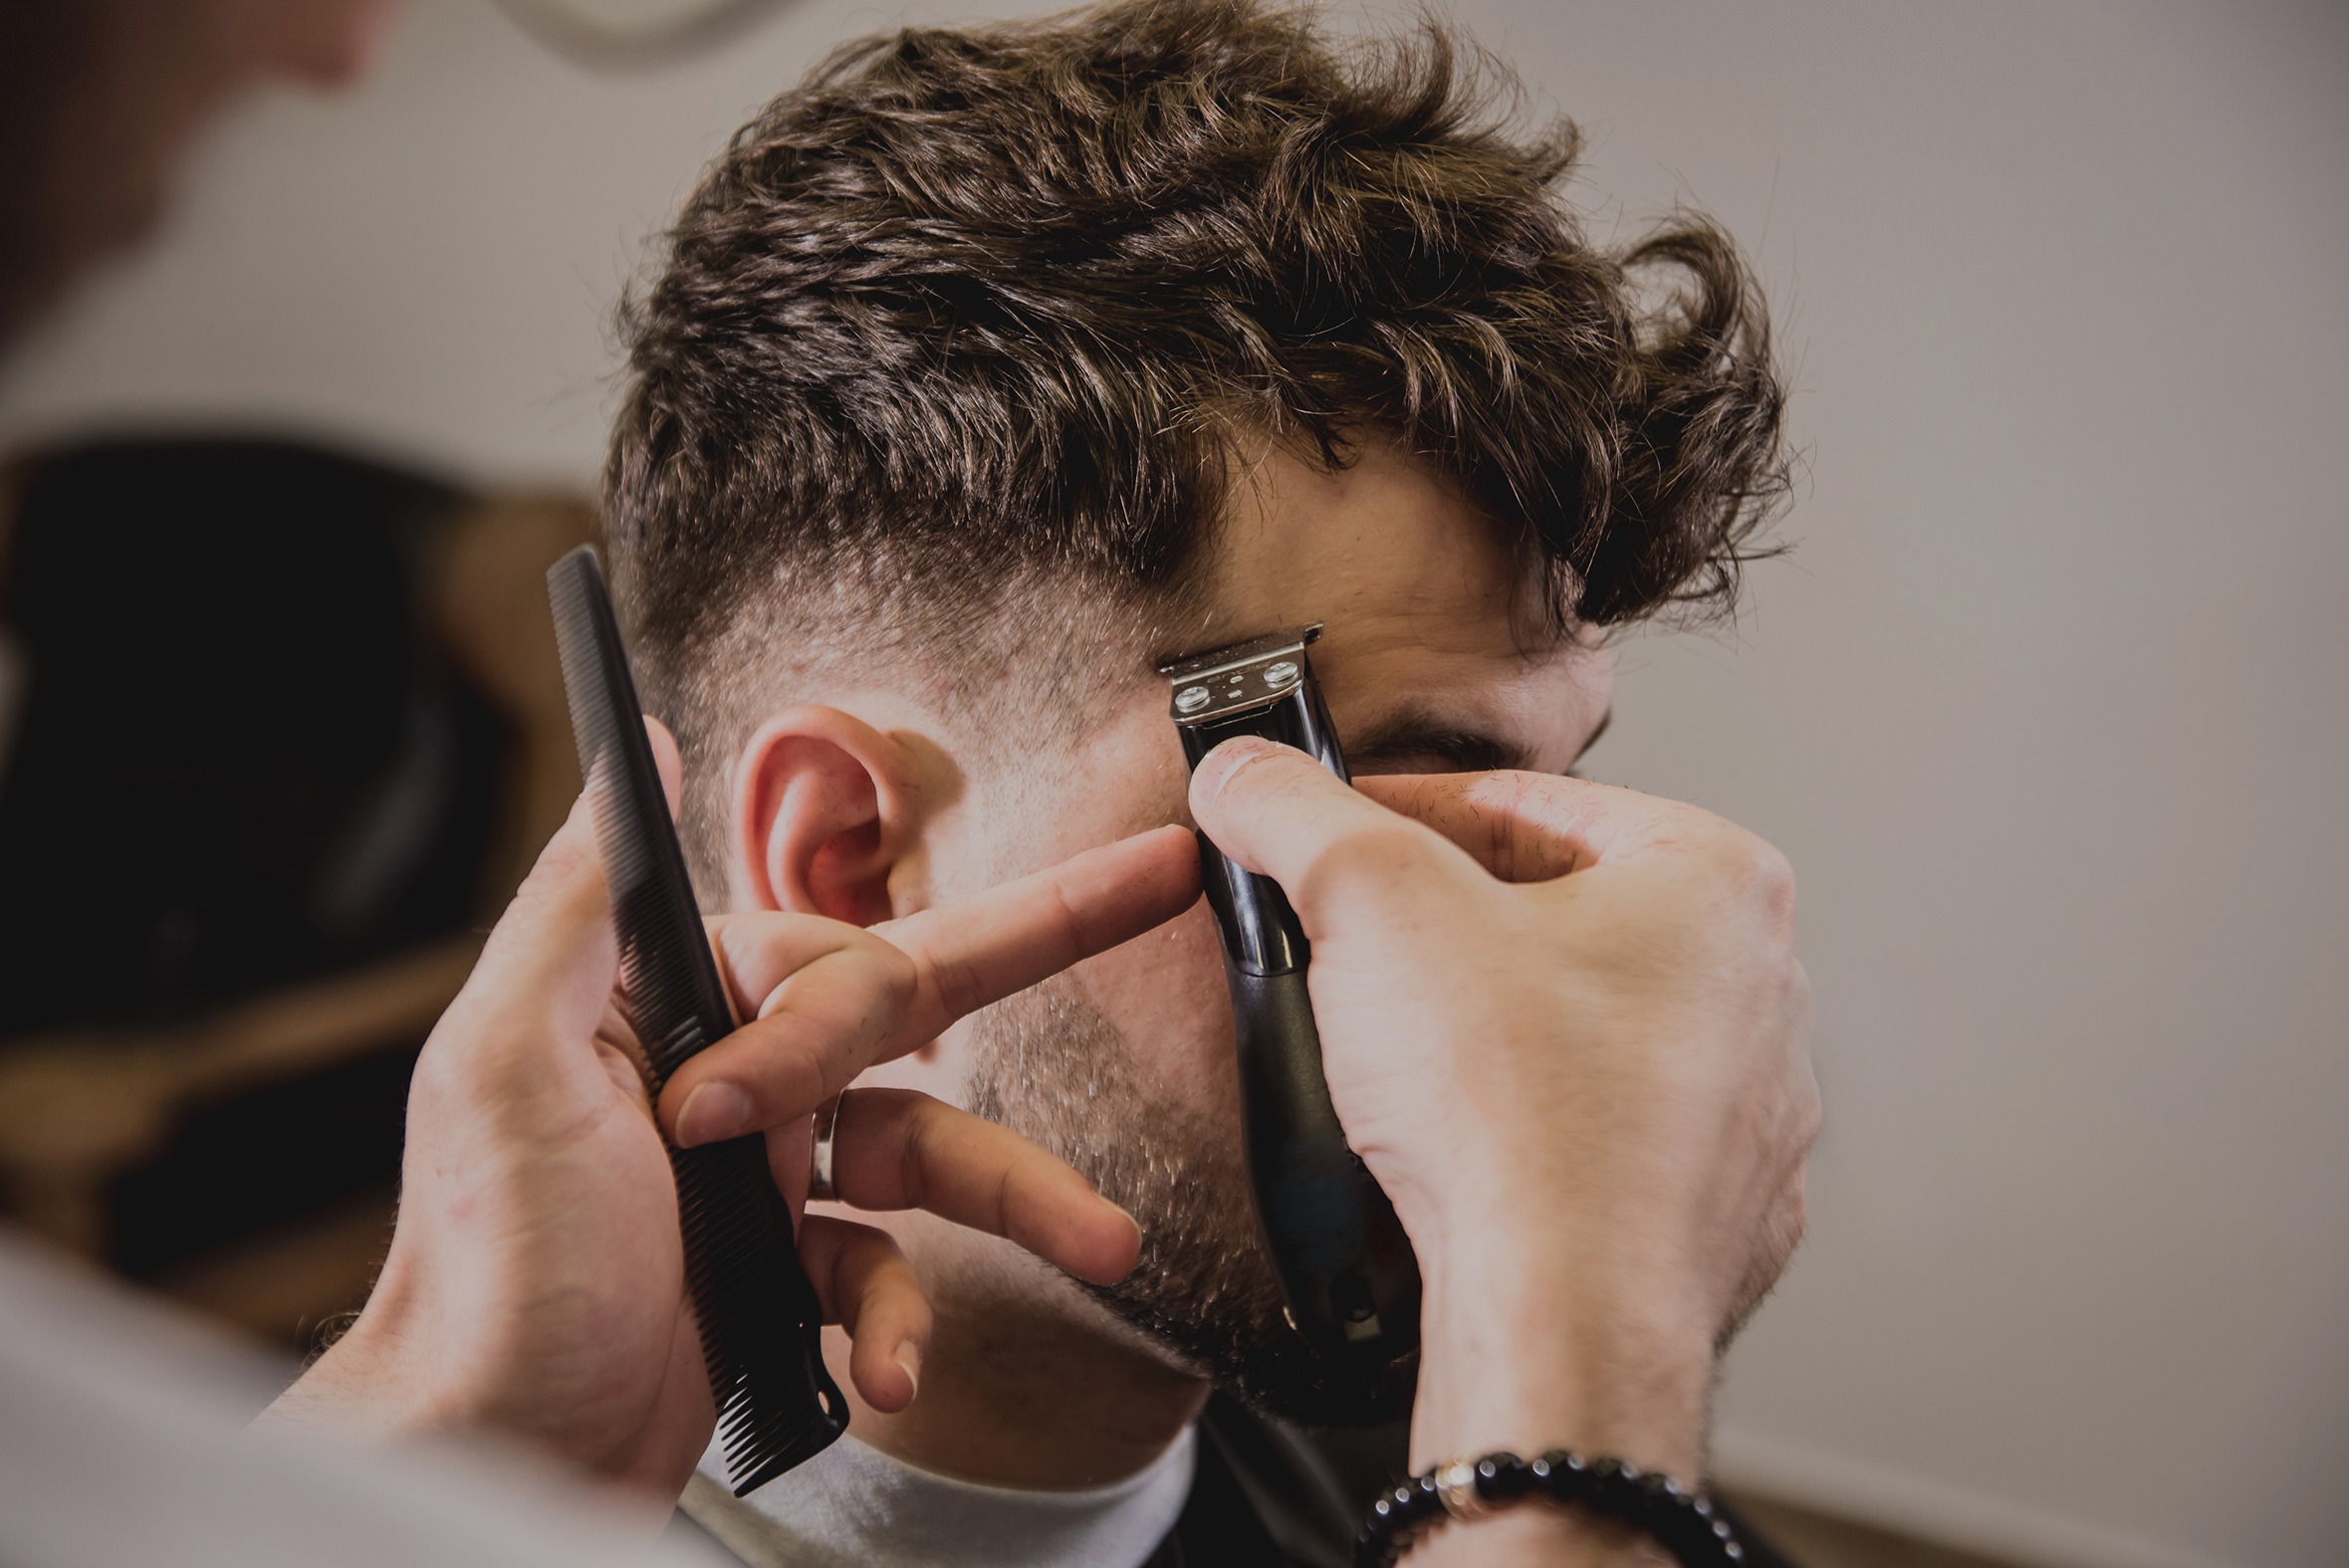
1346,1269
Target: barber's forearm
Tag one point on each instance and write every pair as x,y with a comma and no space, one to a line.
1527,1347
1525,1353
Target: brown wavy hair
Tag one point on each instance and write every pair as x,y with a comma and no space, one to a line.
979,307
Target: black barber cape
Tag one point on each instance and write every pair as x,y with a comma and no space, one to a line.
1265,1494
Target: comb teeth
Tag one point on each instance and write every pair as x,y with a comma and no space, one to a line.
776,1404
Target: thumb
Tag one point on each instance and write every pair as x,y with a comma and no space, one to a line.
1280,813
554,946
554,943
564,902
1527,826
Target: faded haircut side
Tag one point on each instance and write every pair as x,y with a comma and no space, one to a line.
951,347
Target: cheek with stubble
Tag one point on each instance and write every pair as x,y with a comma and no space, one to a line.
1163,995
1124,1068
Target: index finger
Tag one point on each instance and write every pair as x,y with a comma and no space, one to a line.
1528,826
983,949
830,1000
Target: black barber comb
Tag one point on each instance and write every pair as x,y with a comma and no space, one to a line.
761,1324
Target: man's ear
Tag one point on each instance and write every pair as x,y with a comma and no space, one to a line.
825,813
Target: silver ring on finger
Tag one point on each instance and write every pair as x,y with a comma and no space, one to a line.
820,1153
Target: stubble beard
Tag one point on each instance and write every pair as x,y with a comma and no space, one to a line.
1050,1066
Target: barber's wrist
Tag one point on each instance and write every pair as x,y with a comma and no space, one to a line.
1536,1533
382,1378
1529,1349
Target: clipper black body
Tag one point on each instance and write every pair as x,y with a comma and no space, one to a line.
761,1324
1347,1272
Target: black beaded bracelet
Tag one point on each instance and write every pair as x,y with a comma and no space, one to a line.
1683,1522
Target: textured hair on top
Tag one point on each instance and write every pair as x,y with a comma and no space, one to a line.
975,310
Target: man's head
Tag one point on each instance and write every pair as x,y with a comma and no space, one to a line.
99,99
989,368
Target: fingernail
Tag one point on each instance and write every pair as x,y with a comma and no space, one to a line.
713,1112
909,1356
1110,1277
1217,767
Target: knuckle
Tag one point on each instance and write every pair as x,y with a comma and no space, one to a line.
438,1073
956,983
1069,923
1773,882
1758,873
566,860
914,1153
743,938
878,979
1680,823
1793,1220
875,1252
786,1072
897,977
793,1083
1515,846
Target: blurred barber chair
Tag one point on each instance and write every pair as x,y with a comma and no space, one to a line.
287,730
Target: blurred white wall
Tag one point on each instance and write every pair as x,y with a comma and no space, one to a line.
2051,706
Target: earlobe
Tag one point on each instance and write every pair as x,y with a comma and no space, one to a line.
823,814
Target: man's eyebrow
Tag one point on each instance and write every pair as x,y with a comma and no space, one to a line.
1415,735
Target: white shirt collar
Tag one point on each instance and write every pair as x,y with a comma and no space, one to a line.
853,1507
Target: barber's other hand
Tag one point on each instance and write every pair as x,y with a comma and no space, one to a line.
1563,1025
535,1285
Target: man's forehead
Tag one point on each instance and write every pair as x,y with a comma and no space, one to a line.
1386,551
1434,619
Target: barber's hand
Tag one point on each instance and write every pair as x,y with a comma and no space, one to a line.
535,1285
1564,1027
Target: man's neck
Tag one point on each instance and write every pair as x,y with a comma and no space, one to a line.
1015,1392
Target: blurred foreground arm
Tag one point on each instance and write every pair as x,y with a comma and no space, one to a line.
123,1439
1564,1026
